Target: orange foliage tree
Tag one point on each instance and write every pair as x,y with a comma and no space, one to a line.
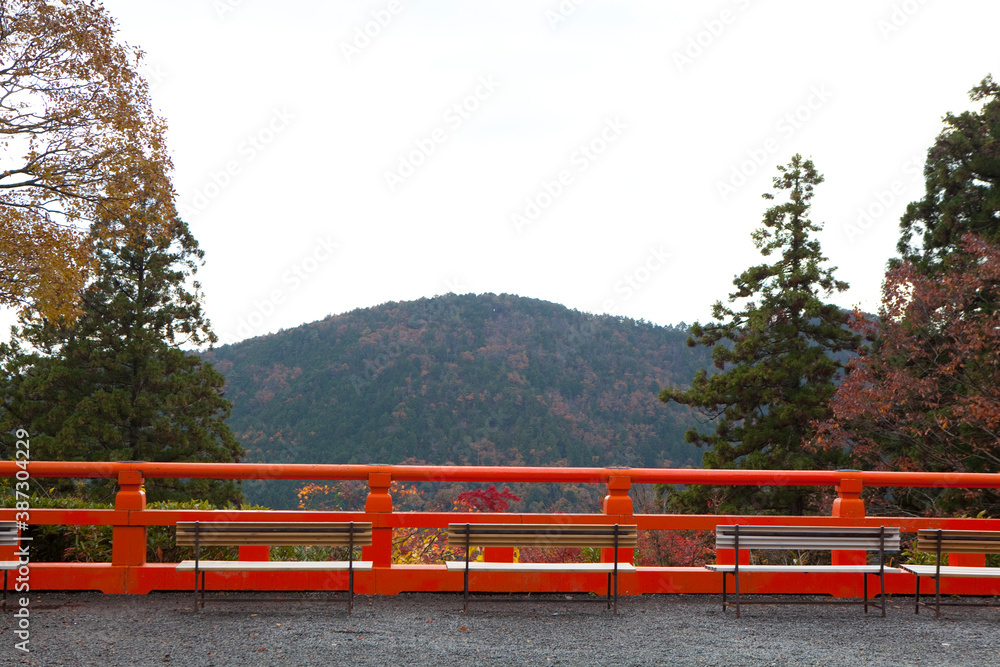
927,395
79,142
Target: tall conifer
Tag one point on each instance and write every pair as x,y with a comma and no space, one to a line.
115,384
773,348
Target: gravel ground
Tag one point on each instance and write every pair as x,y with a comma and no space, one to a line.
429,629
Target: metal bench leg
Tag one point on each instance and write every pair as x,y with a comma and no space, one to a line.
881,581
937,597
465,606
609,590
736,589
916,597
350,591
616,593
864,578
723,592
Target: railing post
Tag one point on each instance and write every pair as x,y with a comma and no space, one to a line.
849,504
128,545
379,501
498,554
618,502
255,553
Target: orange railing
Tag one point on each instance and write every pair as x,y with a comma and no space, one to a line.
129,572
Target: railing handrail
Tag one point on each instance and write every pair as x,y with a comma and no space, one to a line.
129,572
554,474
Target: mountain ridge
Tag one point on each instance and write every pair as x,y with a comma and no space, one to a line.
462,380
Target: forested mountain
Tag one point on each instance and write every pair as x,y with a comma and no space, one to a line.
465,380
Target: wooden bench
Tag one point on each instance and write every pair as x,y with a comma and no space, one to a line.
940,542
9,536
806,538
200,534
607,536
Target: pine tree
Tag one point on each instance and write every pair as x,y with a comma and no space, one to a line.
774,357
115,384
924,396
962,186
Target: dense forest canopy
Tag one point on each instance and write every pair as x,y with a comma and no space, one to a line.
464,380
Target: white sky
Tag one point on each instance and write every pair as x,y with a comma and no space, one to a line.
304,223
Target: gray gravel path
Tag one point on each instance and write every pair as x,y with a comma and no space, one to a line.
427,629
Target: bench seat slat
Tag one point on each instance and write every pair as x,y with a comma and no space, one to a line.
804,530
273,534
271,565
481,566
272,526
950,547
960,534
805,569
9,533
272,541
543,535
952,571
807,543
542,542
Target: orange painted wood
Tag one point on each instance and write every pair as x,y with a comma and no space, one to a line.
129,573
486,474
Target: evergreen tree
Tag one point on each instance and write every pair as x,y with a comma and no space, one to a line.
962,182
115,384
924,396
774,358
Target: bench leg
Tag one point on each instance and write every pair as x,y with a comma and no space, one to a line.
616,593
736,590
5,590
609,590
350,591
937,597
864,587
723,592
881,581
465,593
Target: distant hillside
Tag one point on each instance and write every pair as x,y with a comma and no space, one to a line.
466,380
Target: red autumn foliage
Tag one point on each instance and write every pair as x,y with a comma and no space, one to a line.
485,500
927,394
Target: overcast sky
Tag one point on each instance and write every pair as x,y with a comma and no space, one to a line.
609,156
